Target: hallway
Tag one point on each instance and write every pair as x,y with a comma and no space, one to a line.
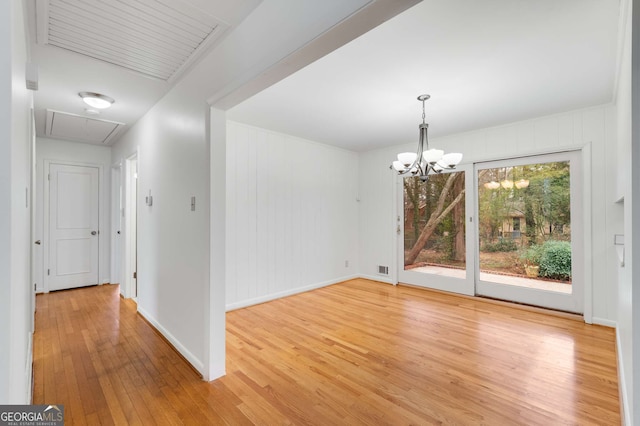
106,365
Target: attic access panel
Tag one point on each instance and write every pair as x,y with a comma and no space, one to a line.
157,38
62,125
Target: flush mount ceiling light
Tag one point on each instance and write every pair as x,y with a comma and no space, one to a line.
425,162
96,100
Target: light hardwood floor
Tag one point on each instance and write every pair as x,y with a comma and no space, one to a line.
358,352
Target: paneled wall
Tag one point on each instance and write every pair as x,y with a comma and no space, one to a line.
292,221
593,128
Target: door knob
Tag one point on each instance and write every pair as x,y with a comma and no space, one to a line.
93,232
38,242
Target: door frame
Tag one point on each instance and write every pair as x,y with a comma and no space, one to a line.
117,215
437,282
46,170
551,300
131,209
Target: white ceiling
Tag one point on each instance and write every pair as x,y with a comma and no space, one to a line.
120,49
484,63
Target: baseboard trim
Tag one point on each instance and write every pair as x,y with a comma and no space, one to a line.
194,363
216,374
625,415
29,371
281,294
603,321
378,278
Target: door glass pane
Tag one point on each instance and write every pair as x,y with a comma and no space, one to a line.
434,225
524,226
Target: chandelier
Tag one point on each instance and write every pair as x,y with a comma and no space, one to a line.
423,162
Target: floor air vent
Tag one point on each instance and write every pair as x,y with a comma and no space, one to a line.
383,270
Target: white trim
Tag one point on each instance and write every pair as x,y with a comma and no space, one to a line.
587,248
45,213
281,294
214,303
128,202
622,385
394,273
604,322
195,362
29,370
380,278
115,208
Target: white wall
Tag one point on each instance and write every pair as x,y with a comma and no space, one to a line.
16,311
623,178
82,154
571,130
292,219
173,242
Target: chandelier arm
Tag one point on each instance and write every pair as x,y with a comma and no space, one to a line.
424,168
418,163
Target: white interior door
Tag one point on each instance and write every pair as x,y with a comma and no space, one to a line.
73,226
435,244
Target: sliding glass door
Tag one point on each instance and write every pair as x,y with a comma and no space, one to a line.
529,246
509,230
435,241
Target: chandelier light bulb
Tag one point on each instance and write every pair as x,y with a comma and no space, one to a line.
522,183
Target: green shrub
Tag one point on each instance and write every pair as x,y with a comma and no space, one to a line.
501,245
533,255
555,261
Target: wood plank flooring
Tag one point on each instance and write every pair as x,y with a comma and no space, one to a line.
358,352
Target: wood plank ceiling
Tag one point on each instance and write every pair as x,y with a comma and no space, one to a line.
158,38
